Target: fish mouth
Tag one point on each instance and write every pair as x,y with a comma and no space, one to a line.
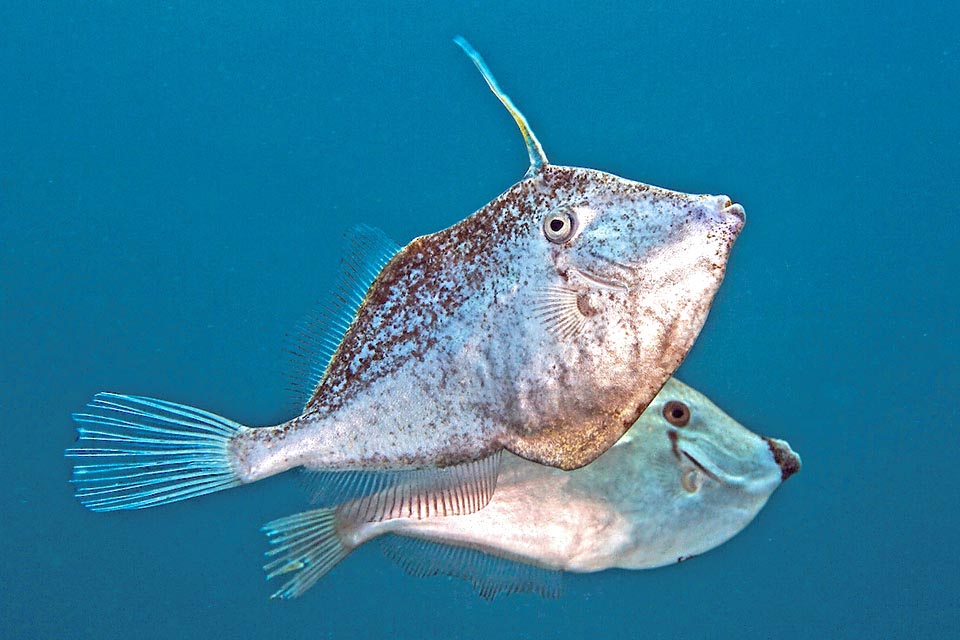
734,213
731,208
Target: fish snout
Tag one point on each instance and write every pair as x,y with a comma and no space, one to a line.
733,211
728,213
736,212
785,457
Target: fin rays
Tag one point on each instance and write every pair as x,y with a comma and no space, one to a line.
489,575
147,452
317,338
560,311
421,493
307,544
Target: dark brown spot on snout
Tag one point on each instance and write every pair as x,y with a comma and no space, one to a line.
784,456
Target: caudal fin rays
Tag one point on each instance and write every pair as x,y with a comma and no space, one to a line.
307,546
144,452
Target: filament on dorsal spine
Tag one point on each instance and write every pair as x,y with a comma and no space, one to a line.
538,159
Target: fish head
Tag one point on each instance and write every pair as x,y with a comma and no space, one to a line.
622,275
699,478
619,234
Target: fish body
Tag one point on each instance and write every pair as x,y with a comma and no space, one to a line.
668,490
460,349
543,325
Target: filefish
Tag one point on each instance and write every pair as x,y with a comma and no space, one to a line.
543,324
684,479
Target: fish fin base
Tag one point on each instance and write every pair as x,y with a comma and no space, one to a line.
147,452
306,545
375,496
559,310
310,348
489,575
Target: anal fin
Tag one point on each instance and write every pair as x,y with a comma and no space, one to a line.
374,496
490,575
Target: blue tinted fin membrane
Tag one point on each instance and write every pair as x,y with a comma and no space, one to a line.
305,545
374,496
537,157
490,575
139,452
311,347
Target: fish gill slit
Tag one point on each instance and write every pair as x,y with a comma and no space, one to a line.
697,464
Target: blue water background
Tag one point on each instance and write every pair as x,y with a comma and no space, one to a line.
175,182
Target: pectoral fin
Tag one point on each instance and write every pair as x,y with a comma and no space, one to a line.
562,310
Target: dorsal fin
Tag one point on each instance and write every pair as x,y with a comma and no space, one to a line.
374,496
537,157
490,575
311,347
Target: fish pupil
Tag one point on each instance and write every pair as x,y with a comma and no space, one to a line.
556,225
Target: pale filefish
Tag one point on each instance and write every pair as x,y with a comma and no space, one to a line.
684,479
542,324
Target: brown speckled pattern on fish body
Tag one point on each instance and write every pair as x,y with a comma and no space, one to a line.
447,359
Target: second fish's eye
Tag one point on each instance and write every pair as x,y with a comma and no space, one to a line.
676,413
559,226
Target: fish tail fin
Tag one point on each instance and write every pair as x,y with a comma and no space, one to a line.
144,452
307,544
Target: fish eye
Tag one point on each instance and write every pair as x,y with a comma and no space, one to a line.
676,413
559,226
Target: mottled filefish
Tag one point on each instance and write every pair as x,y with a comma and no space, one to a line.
683,480
542,324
